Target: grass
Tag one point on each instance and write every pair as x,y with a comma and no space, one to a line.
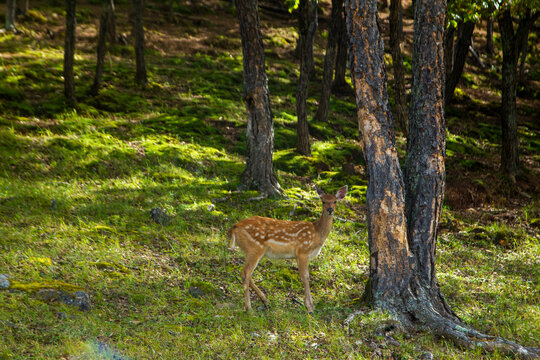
77,187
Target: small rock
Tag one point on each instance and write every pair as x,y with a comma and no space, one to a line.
4,281
195,292
54,204
160,216
211,207
426,356
82,301
61,315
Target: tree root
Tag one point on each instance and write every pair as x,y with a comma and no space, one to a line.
467,337
472,339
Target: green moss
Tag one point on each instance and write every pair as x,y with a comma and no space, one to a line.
48,284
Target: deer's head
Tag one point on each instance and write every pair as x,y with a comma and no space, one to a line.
329,201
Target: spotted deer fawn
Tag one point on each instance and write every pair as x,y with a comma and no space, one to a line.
279,239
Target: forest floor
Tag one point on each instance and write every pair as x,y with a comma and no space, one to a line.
77,187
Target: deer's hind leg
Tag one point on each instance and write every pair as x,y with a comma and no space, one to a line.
252,259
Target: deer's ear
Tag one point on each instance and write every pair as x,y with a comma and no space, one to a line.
319,191
342,192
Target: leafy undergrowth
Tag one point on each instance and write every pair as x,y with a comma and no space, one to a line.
77,187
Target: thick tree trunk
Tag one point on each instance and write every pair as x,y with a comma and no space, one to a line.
400,110
138,34
402,231
69,52
465,32
385,199
340,85
424,164
329,61
489,36
10,15
259,172
307,25
104,34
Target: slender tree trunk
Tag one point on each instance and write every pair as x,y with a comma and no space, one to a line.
340,85
465,31
449,50
10,15
69,52
104,36
307,24
523,56
510,152
489,36
138,33
23,6
400,110
259,172
111,21
329,61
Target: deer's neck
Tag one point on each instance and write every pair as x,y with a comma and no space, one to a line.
323,225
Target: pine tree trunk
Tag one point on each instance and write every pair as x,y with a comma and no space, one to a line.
104,36
465,32
340,85
111,21
449,50
23,6
489,36
329,61
399,71
10,15
69,52
424,171
510,152
259,172
402,230
138,33
307,25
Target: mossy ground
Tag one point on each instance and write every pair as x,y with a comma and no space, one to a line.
76,188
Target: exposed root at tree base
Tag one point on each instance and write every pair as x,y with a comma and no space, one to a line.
469,338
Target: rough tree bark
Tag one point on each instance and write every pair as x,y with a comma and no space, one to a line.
307,25
329,61
400,94
259,172
402,230
511,46
69,52
105,34
465,31
141,77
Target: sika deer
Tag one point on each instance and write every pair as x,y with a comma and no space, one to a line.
278,239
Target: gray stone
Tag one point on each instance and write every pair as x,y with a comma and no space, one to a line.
4,282
82,301
160,216
195,292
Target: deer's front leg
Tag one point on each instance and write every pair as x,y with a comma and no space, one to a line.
303,270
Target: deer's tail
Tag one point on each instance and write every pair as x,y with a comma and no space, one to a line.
232,236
